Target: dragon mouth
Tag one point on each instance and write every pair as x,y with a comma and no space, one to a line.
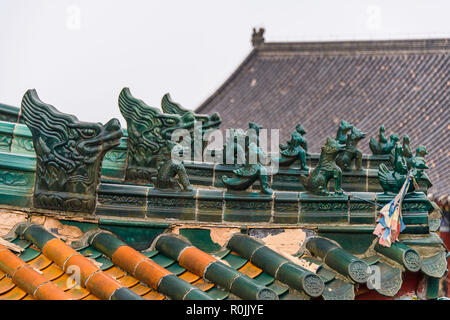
108,139
114,131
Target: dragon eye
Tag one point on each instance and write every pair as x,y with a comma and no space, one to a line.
87,133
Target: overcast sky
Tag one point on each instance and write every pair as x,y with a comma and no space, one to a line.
79,54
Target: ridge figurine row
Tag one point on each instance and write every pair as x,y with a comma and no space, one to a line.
70,152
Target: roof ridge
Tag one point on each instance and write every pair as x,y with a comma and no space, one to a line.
360,46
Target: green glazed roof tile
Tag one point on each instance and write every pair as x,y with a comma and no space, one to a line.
106,263
326,274
162,260
391,280
432,240
217,293
278,288
21,243
372,259
80,247
264,279
235,261
29,254
90,252
312,260
201,238
290,296
150,254
338,290
221,253
434,224
176,269
435,266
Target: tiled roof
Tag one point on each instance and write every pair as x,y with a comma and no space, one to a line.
176,268
402,84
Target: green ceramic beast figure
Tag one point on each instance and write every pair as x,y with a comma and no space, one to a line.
392,181
383,146
351,153
171,172
325,170
69,155
344,128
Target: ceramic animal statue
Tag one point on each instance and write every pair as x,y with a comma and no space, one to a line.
351,153
383,146
416,162
406,151
69,155
171,172
148,132
326,169
392,181
296,148
344,128
248,174
206,122
252,170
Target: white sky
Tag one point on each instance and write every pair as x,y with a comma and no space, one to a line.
79,54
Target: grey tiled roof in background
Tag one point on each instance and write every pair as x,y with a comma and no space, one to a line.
403,84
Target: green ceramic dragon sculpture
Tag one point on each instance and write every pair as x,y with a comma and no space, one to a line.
69,155
207,122
326,169
149,130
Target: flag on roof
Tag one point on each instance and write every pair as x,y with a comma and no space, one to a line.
390,221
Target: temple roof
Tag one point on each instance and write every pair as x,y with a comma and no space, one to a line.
403,84
187,263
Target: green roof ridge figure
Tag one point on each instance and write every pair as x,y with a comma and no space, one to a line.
326,169
69,155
